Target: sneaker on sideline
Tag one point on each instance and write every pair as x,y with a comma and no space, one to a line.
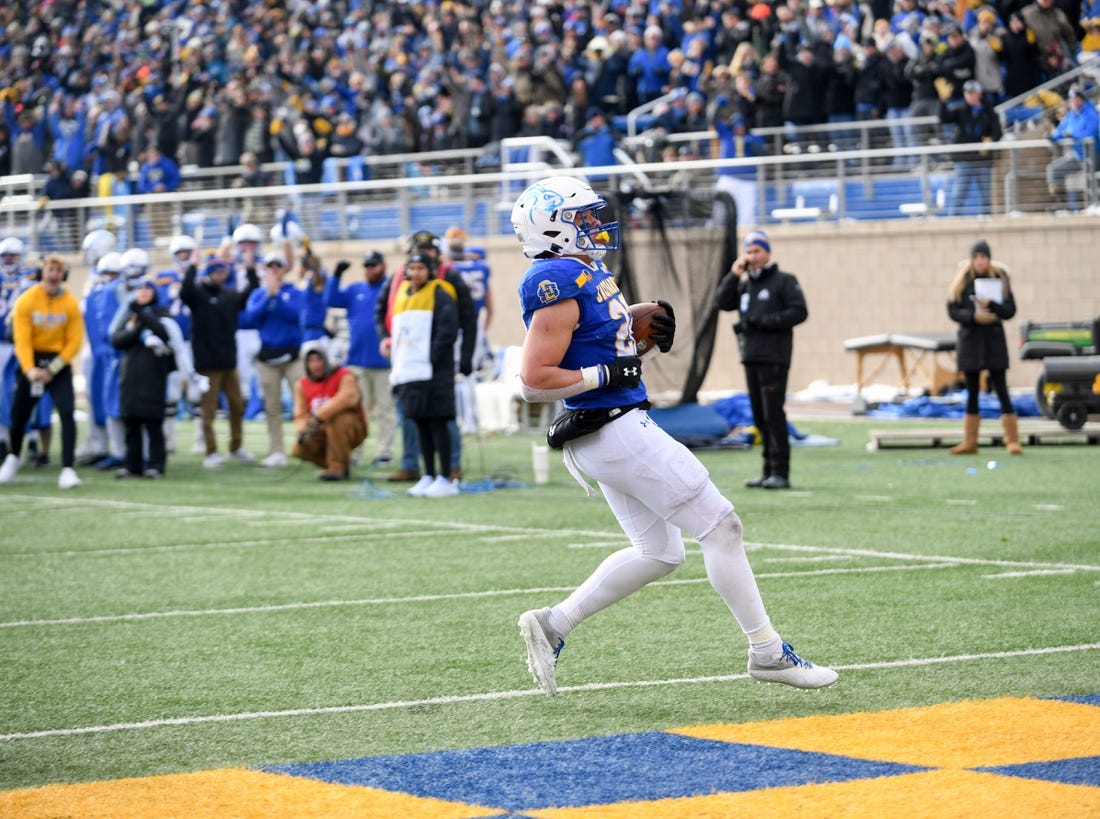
441,488
790,669
417,489
276,460
242,455
68,478
213,461
9,468
543,648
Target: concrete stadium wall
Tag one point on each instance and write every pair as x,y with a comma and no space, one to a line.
861,278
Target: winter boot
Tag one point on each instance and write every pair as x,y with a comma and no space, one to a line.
1012,434
969,443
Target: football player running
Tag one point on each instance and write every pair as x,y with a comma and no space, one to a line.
579,349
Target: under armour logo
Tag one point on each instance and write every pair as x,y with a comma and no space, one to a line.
631,371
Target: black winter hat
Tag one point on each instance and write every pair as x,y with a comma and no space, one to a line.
980,246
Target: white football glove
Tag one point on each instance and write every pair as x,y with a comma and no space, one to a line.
197,386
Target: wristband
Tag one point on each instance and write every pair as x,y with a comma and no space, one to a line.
593,377
56,365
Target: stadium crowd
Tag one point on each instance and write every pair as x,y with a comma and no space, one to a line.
89,89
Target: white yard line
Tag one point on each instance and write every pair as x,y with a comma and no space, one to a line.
426,598
491,696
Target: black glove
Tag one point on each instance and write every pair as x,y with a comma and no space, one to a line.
466,366
748,324
341,266
663,327
625,371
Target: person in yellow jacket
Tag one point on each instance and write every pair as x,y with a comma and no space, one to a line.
47,331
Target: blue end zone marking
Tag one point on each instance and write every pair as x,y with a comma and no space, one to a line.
603,770
1084,699
1082,771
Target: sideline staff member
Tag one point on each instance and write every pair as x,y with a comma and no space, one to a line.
48,332
770,303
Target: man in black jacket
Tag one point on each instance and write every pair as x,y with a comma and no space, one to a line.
770,303
974,122
215,309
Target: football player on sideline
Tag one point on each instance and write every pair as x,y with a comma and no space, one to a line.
579,349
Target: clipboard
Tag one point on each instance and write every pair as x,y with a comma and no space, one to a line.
989,289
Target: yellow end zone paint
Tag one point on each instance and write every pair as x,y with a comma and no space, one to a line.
241,794
948,737
953,735
937,793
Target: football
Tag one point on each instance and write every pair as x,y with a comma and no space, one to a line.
641,316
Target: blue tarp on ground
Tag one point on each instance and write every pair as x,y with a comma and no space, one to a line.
953,406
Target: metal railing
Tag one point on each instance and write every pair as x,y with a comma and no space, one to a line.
821,185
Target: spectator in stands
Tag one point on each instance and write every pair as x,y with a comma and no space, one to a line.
596,144
328,414
840,94
67,119
1080,123
365,359
974,122
27,128
58,187
771,90
252,175
736,142
1020,57
922,73
770,303
956,67
1051,27
158,173
649,66
897,94
986,38
981,341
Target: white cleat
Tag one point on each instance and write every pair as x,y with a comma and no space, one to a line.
9,468
790,669
213,461
417,489
242,456
68,478
543,648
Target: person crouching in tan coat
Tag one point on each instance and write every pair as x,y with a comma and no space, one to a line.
328,414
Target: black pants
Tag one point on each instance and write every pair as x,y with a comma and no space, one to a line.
767,384
997,381
154,429
23,404
434,437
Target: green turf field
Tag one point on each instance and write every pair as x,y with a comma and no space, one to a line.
246,617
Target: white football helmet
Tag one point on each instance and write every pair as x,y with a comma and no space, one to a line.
544,218
248,232
135,265
181,243
97,244
8,248
109,263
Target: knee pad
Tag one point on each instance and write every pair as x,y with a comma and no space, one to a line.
727,535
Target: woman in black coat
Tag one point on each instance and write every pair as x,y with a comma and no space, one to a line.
147,359
980,300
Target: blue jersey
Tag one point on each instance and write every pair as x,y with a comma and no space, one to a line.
475,272
10,288
603,331
360,299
